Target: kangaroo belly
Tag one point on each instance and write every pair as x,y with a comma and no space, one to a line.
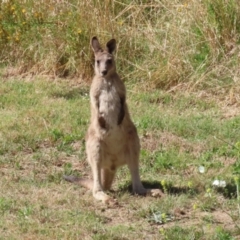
114,147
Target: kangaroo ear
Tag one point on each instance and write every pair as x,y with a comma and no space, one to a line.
111,45
95,45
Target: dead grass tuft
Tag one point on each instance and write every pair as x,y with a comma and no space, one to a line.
169,43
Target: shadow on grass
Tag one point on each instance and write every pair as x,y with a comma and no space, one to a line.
230,191
156,184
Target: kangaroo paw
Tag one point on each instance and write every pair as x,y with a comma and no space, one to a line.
155,192
106,199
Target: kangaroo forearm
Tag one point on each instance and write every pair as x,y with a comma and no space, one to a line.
121,114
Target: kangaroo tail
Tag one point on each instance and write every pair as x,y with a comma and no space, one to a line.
87,183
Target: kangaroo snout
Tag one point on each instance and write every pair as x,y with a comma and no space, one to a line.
104,72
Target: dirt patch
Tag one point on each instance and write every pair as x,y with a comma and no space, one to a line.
207,220
227,161
230,111
221,217
153,141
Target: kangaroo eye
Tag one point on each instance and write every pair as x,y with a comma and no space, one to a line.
109,61
98,62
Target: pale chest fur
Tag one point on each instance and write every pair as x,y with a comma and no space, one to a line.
109,103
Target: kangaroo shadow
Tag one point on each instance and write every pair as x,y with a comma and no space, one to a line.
157,185
230,191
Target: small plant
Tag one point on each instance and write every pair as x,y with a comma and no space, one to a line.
166,186
160,218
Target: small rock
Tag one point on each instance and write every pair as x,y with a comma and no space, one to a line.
219,183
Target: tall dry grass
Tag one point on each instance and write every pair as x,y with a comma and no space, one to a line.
162,43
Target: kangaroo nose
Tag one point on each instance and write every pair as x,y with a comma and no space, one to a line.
104,72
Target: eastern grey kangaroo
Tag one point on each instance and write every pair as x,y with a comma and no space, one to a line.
112,139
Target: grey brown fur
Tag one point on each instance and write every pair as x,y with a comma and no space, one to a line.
112,138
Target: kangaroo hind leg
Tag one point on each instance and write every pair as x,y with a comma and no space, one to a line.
132,156
95,158
107,177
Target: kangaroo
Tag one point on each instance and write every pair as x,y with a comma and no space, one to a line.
112,139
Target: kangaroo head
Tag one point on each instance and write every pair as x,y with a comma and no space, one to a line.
104,60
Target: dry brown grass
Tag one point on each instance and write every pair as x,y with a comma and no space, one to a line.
162,44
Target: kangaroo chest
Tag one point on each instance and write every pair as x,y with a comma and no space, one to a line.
109,103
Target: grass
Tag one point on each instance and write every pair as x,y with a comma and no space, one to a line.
180,62
42,137
165,44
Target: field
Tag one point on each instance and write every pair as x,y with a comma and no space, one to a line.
42,137
181,70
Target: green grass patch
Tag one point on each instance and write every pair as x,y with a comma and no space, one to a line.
42,138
